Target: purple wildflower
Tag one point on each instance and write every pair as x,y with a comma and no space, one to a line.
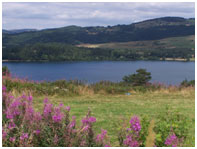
84,121
57,117
23,96
86,127
128,129
47,109
129,141
29,113
9,115
30,98
37,132
16,103
68,108
4,93
24,136
37,116
11,125
172,140
73,122
11,97
92,119
46,100
13,110
3,88
100,137
135,124
30,110
61,105
12,139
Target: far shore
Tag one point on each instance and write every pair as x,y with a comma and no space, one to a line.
166,59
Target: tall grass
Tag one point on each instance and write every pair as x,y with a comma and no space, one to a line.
76,87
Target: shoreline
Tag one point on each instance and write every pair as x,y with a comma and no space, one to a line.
167,59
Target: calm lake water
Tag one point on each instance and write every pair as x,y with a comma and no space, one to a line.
168,72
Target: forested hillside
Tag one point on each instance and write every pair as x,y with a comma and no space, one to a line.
64,43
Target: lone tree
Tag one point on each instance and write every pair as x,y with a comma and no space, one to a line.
141,78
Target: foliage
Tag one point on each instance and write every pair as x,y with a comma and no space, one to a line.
141,78
171,124
5,71
23,126
169,130
77,87
59,44
186,83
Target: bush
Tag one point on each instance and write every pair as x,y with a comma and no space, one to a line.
5,71
187,83
141,78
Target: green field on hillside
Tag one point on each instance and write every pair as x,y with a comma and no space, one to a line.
172,42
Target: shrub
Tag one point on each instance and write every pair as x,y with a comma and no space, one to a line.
5,71
141,78
187,83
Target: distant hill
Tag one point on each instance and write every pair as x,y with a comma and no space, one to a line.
72,36
17,31
146,30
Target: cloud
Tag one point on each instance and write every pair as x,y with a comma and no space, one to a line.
50,15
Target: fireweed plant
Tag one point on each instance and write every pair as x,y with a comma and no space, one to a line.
22,126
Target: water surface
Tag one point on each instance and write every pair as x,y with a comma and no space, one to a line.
168,72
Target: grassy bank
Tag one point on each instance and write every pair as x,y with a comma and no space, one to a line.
109,103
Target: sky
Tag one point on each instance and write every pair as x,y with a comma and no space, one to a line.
37,15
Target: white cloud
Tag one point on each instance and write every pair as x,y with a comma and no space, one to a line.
50,15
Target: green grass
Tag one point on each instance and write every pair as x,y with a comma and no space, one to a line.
109,109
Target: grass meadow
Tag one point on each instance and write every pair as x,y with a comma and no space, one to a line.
110,109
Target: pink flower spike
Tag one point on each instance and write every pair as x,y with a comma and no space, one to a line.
11,125
92,119
3,88
37,132
12,139
46,100
86,128
61,105
24,136
68,108
30,98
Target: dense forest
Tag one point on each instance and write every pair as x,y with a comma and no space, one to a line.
62,44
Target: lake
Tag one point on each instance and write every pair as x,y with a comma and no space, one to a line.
168,72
